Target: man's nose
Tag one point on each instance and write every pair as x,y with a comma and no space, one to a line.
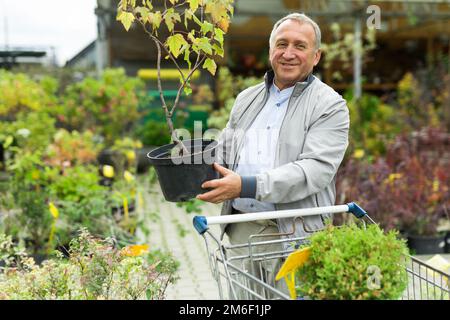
289,53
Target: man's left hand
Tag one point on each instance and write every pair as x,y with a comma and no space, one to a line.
226,188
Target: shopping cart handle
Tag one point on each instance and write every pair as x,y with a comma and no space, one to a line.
200,224
356,210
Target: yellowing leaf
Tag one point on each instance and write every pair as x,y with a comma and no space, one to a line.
210,65
175,43
53,210
108,171
135,250
217,10
224,24
126,18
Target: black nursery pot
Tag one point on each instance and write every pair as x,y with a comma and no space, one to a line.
426,244
181,178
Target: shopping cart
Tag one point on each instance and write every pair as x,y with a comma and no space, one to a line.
242,269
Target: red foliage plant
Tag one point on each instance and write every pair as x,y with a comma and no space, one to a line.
408,189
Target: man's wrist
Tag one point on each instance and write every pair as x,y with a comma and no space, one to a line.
248,187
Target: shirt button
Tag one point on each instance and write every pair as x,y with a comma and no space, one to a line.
278,104
259,152
268,127
252,205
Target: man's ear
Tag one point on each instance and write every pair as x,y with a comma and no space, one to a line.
317,57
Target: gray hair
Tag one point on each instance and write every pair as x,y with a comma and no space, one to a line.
302,18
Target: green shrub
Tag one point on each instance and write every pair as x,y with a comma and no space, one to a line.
108,107
20,93
153,133
350,263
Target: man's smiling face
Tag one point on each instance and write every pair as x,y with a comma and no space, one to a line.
293,54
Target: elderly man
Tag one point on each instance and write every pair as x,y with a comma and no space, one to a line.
285,138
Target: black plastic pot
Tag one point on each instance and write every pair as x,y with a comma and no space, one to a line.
426,244
181,177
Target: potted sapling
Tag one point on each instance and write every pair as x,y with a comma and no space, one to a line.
188,33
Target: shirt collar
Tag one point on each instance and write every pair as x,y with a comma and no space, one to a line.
281,93
298,87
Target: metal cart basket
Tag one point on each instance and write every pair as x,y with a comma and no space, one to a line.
241,270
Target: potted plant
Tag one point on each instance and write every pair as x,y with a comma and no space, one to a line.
353,263
183,165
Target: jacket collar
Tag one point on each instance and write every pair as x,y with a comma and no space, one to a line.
299,86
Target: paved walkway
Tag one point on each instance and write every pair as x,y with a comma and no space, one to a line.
171,230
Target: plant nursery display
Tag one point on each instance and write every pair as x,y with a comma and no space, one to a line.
94,270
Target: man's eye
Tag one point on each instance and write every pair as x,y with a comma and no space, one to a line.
281,45
301,46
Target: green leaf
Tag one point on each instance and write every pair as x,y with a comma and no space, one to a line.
187,53
8,141
126,18
218,50
175,43
155,19
218,35
207,27
197,21
193,4
171,17
148,294
204,45
191,36
210,65
173,1
144,13
187,16
187,90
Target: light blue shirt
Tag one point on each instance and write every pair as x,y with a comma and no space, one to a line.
260,145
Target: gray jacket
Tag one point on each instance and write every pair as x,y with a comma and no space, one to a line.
311,145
